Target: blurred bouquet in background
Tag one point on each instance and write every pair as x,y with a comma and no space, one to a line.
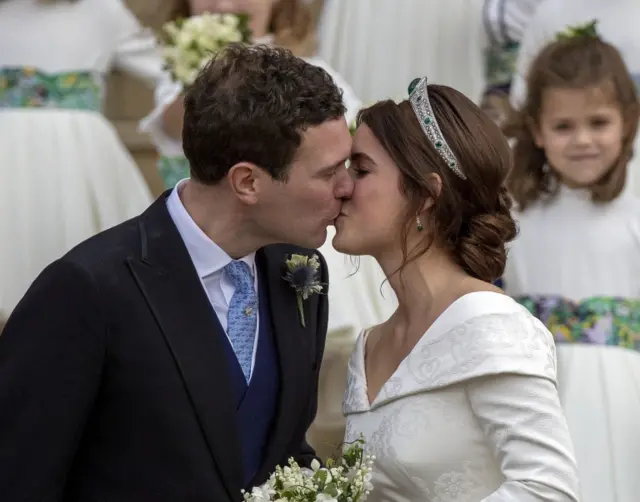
188,44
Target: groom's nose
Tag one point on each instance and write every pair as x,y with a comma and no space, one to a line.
344,185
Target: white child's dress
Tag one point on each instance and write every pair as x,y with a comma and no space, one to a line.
65,174
576,266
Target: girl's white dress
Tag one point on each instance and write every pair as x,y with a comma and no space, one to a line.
357,296
380,46
65,174
576,266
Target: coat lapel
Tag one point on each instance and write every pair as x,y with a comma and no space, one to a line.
294,345
172,288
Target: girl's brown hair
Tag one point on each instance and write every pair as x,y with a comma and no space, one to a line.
291,23
581,62
470,218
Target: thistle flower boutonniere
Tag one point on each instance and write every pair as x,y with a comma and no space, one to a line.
302,275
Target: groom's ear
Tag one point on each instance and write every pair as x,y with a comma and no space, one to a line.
244,181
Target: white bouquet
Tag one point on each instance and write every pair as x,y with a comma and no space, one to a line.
190,43
346,479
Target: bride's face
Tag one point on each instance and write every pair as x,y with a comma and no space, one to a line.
371,221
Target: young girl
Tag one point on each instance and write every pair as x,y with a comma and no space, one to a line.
355,299
64,173
283,22
577,256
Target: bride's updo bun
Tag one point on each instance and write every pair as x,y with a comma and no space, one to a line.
471,217
481,250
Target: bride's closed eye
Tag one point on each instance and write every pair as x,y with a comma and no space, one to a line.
356,166
359,173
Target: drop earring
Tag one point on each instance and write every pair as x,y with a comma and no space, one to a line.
419,224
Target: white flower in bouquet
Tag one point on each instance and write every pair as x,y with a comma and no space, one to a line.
345,479
190,43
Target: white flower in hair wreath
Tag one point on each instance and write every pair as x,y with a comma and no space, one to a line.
303,273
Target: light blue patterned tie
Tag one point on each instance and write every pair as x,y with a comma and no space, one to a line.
243,312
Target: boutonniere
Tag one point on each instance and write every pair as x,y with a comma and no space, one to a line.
303,276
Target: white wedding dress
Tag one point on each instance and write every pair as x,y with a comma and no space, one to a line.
472,414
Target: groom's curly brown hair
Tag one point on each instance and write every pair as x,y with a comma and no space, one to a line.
252,104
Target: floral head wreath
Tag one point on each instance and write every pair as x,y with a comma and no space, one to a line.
419,99
587,30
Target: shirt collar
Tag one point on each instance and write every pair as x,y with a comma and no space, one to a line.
206,255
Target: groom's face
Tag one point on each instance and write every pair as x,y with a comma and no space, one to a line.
299,210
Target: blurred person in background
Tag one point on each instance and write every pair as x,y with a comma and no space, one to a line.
504,22
65,173
394,40
617,24
576,261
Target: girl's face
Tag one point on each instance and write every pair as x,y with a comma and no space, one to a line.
581,132
259,11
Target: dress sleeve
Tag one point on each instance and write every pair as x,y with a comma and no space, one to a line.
167,91
524,423
137,51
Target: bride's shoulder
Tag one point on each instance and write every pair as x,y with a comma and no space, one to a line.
517,329
491,338
491,319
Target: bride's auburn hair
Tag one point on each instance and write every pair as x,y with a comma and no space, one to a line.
470,218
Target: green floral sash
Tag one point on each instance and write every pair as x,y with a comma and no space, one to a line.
173,169
31,88
598,320
500,63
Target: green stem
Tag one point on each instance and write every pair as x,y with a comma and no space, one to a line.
301,311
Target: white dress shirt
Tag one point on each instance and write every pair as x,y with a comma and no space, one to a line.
209,260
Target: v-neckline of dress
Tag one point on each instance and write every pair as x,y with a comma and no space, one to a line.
439,323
